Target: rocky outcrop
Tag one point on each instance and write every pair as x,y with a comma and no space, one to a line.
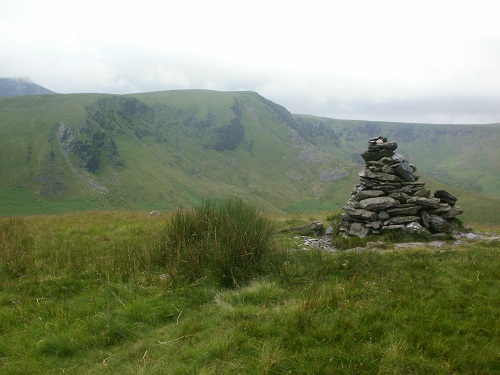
390,197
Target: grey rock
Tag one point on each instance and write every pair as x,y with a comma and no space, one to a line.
424,202
361,214
350,219
443,209
404,171
365,194
456,210
438,224
382,215
392,227
424,217
398,158
415,228
357,189
414,184
423,193
306,229
468,235
375,225
401,220
380,176
400,197
388,160
358,230
445,197
376,155
378,204
389,145
408,244
472,236
353,203
412,210
384,186
446,211
381,143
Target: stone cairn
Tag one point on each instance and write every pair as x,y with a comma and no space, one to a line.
390,197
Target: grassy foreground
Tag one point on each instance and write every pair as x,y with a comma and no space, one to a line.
124,292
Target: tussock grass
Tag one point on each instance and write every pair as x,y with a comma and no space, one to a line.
222,240
98,293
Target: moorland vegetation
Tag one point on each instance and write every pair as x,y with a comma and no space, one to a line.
217,290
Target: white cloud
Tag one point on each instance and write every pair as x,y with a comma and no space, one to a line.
338,58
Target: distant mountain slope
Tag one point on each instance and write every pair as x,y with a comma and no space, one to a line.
464,156
171,149
21,87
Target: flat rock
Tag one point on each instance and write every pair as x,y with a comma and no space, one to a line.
381,143
376,155
445,197
365,194
423,193
404,211
424,202
408,244
401,220
306,229
380,176
361,214
378,204
353,203
401,197
392,227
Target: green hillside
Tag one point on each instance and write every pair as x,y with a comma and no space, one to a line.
164,150
154,151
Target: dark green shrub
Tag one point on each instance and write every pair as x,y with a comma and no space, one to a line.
225,241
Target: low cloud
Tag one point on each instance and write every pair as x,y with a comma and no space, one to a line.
387,60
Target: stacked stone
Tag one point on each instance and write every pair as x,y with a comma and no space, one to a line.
390,197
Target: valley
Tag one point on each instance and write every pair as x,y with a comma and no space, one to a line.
171,149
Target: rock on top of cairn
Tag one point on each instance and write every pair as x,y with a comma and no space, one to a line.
379,147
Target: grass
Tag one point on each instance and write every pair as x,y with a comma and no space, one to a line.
226,241
94,293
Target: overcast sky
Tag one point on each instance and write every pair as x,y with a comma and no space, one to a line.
415,61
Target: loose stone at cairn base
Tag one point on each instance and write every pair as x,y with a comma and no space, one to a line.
390,197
